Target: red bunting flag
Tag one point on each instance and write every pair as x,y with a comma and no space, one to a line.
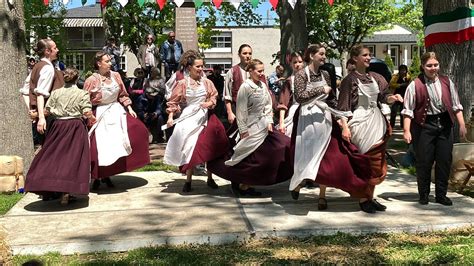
103,3
331,2
46,2
274,4
161,3
217,3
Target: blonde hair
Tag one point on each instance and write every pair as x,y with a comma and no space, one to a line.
253,64
425,57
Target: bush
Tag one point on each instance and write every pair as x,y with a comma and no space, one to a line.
389,62
414,69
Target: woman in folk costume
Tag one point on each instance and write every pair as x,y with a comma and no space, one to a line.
63,163
198,135
320,154
361,92
262,156
287,104
431,107
119,141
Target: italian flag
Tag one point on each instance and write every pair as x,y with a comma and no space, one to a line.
452,27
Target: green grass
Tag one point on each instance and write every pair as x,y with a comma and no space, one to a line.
445,247
7,201
410,170
157,165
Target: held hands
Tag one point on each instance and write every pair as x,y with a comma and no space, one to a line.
282,128
41,126
327,89
33,114
407,137
346,134
206,105
170,121
244,135
231,118
270,127
131,112
395,98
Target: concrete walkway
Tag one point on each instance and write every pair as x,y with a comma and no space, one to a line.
149,209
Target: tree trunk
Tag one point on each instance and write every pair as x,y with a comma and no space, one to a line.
15,127
343,60
294,34
456,60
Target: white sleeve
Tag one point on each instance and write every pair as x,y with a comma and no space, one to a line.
409,100
169,85
241,113
25,90
45,80
457,106
227,95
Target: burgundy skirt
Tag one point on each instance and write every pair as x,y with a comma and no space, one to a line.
342,166
138,135
63,163
211,144
269,164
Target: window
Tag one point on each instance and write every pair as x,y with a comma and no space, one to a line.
74,59
394,54
123,63
223,40
226,63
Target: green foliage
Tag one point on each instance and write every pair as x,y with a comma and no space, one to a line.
7,201
414,69
157,165
409,14
245,15
389,62
136,22
44,21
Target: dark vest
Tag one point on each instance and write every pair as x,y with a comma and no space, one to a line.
422,99
58,81
237,80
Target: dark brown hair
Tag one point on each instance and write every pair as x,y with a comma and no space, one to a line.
311,50
241,47
41,47
253,64
71,74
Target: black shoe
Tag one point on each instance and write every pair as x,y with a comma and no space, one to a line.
295,194
250,192
424,200
367,206
311,184
322,204
212,184
51,196
378,206
187,187
96,184
235,188
108,182
444,201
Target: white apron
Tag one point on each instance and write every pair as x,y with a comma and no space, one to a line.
180,147
257,127
312,136
368,125
111,133
291,110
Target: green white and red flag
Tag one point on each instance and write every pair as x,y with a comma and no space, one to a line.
451,27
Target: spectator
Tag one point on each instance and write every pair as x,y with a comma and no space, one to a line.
276,80
218,80
111,49
170,52
398,85
135,89
148,55
149,105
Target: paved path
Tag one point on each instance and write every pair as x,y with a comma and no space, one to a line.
149,209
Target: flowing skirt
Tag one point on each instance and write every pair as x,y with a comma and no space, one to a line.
63,163
212,143
138,135
269,164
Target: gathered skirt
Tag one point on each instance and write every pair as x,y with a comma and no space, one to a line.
138,135
342,166
212,143
63,163
269,164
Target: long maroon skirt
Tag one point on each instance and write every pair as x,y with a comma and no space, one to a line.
211,144
269,164
342,166
63,163
140,156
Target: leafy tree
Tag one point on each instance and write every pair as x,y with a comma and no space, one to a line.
389,62
130,24
415,66
346,23
409,14
44,21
